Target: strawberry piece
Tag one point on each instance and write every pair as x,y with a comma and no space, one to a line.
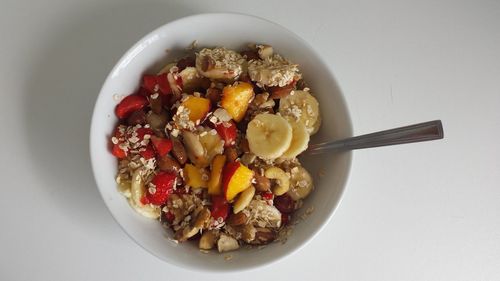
150,82
227,131
148,153
267,195
130,104
143,92
161,145
118,152
163,84
141,132
115,147
220,207
163,187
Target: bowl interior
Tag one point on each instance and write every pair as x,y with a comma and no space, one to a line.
168,42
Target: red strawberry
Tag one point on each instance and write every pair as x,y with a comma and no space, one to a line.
130,104
227,131
150,82
163,84
118,137
220,207
163,185
118,152
267,195
148,153
162,145
141,132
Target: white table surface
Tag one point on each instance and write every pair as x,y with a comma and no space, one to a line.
427,211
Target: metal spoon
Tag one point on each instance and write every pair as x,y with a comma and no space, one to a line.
432,130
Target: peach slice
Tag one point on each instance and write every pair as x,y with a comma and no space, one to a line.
215,182
236,177
198,107
195,177
235,99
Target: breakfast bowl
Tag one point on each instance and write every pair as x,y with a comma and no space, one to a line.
235,31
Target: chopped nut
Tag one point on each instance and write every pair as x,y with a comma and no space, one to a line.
227,243
237,219
208,239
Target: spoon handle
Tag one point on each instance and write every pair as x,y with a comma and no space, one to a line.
432,130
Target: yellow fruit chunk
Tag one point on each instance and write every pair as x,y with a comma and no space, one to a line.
215,182
235,99
195,176
198,107
236,178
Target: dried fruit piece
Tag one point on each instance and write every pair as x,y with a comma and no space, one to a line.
168,164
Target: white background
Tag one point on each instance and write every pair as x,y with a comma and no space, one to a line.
428,211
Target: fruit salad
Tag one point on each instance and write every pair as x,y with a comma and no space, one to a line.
208,146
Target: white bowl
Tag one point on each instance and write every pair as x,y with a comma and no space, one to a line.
330,172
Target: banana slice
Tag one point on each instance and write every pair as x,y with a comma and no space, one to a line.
244,199
300,140
269,135
191,79
219,64
302,107
281,178
301,183
137,190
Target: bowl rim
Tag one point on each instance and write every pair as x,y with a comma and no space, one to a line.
349,154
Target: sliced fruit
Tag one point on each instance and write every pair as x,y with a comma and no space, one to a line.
194,148
219,63
137,192
302,107
195,177
219,209
212,145
161,145
215,182
280,177
301,183
160,188
130,104
118,152
191,79
235,178
198,107
227,131
300,140
269,135
148,152
235,99
243,199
